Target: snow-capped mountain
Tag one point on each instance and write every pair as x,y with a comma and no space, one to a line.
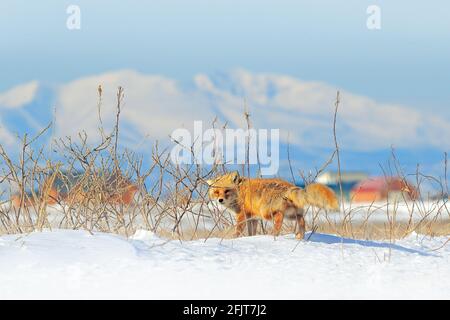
154,106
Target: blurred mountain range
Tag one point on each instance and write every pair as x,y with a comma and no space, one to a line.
155,105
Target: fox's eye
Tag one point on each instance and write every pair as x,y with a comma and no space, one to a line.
227,191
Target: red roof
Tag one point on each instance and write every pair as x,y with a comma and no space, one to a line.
381,184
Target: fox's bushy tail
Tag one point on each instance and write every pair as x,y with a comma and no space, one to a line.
315,194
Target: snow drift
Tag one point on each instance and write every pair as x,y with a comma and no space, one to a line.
66,264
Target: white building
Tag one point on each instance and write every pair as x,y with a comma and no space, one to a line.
346,177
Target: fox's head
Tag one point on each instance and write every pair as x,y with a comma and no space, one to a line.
224,189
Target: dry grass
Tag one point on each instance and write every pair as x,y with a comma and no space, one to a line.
372,231
382,231
167,193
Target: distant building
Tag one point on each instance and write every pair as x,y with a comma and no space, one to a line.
68,187
332,177
383,188
348,179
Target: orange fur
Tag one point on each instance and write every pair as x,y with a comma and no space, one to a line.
269,199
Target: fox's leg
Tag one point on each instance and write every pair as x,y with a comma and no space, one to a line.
277,222
250,223
240,224
254,227
300,234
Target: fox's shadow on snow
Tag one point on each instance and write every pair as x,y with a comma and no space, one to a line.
331,239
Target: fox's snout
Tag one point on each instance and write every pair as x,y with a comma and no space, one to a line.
220,200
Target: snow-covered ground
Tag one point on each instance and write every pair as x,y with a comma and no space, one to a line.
205,216
76,264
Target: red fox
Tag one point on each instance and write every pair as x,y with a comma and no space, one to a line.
269,199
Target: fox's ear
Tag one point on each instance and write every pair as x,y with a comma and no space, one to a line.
235,177
209,182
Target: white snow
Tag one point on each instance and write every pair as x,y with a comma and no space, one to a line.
76,264
204,216
382,212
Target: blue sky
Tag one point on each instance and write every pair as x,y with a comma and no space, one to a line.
406,63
